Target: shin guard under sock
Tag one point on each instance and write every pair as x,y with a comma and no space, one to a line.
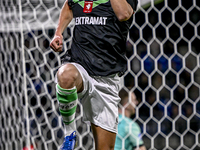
68,99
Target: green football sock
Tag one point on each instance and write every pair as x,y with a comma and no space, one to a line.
68,99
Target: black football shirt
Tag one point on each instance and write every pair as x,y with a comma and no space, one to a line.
99,38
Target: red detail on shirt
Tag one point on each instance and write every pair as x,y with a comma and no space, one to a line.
88,6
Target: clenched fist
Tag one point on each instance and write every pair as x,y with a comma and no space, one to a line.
57,43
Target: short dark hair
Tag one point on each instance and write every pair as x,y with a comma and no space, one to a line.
123,94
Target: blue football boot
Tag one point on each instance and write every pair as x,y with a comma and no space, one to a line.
69,142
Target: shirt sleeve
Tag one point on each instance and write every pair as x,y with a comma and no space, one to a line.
133,4
135,136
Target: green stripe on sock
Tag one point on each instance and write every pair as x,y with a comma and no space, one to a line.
66,98
67,122
69,112
65,90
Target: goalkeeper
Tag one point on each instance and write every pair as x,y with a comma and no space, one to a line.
129,133
92,67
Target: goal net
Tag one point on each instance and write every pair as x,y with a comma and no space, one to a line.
163,72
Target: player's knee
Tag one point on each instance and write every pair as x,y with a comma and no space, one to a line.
67,76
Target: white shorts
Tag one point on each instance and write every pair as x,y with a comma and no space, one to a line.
100,99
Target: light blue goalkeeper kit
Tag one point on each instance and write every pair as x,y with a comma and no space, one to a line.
129,134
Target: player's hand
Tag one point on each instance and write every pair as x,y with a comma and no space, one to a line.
57,44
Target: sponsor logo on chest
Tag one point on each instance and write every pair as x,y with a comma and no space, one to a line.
90,20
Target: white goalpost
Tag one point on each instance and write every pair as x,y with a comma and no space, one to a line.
163,72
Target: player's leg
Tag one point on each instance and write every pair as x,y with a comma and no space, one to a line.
69,76
100,108
69,83
104,140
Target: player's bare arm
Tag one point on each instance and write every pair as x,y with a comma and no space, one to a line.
122,9
65,18
141,148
